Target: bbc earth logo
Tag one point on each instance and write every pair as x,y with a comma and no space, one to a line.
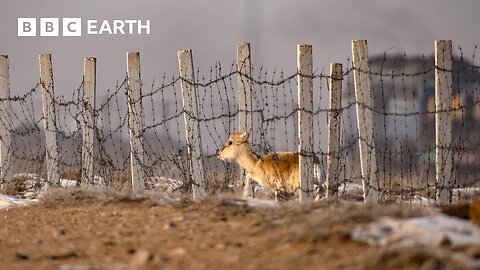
72,27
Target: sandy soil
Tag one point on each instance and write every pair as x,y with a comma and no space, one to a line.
94,229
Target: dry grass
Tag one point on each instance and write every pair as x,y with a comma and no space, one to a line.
94,226
12,188
71,174
405,258
219,185
119,179
55,196
18,186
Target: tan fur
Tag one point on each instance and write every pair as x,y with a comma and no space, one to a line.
277,170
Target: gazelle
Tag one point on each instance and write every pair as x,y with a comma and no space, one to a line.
278,170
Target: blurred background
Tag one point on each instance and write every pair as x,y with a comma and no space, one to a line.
213,28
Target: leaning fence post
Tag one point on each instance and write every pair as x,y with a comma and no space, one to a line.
334,120
6,164
305,120
244,70
365,121
135,120
49,117
443,120
192,125
88,128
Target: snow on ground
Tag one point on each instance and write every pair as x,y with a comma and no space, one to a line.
345,188
10,201
468,191
31,176
68,183
465,194
432,230
164,183
97,181
419,200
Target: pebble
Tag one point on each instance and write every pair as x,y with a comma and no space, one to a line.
140,259
181,218
170,225
179,252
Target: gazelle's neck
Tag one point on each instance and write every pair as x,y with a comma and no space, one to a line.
247,159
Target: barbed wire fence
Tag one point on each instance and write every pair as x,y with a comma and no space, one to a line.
385,129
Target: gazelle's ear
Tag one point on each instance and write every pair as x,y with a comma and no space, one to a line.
244,136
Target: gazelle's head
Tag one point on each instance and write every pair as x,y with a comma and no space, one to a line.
236,145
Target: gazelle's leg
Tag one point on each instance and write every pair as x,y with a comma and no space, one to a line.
319,181
319,175
318,194
276,195
247,187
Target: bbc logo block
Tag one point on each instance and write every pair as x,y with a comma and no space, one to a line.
49,27
27,27
72,27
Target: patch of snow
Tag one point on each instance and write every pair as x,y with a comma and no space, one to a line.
10,201
68,183
427,231
345,188
468,192
28,176
419,200
259,188
164,183
99,181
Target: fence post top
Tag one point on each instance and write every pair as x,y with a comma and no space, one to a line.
132,56
443,45
45,55
90,58
182,52
443,41
307,46
357,42
243,44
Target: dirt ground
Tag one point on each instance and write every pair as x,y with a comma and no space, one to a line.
82,229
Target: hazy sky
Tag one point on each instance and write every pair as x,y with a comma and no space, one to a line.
212,28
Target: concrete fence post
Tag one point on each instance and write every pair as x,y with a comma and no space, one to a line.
305,121
365,121
443,120
49,119
135,120
6,162
244,84
192,125
88,128
334,125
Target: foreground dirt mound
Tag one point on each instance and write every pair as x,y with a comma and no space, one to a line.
95,229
